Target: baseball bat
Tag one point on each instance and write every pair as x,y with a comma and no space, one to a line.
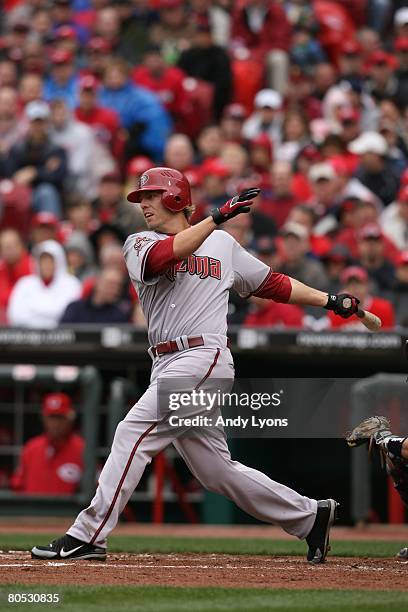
370,320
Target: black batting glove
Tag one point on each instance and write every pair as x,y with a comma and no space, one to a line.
344,304
235,206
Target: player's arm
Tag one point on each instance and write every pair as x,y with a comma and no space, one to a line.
253,277
303,295
283,288
175,248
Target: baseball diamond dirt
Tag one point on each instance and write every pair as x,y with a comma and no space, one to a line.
187,569
194,569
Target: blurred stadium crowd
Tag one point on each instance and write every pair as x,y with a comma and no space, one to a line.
308,100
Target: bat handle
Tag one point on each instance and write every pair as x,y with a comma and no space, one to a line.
370,320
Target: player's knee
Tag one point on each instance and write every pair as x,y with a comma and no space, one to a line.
121,432
213,480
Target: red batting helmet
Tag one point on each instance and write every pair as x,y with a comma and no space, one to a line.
173,184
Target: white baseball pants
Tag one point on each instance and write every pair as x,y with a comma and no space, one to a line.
139,438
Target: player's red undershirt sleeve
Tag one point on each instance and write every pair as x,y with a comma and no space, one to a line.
275,287
160,257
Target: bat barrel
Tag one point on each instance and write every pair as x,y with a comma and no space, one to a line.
370,320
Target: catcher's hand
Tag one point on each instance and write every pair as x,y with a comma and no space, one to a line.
238,204
343,304
374,428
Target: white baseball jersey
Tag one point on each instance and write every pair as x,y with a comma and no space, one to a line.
191,297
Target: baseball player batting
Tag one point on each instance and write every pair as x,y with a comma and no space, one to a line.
183,275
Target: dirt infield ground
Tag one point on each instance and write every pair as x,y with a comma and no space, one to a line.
197,569
208,570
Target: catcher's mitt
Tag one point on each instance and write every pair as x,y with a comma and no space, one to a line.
373,429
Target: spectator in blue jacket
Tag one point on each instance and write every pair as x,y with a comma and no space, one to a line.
140,111
103,305
62,84
38,163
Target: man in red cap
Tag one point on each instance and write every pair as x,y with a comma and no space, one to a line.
97,54
215,174
351,61
62,82
136,166
52,463
104,121
355,279
44,226
66,38
349,118
382,84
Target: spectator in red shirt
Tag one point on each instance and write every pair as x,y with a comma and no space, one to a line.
164,80
267,313
355,280
52,463
262,27
280,201
15,262
104,121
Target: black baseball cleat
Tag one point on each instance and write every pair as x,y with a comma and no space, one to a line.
318,538
403,554
68,548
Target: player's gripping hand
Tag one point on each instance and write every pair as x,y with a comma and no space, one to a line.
235,206
343,304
